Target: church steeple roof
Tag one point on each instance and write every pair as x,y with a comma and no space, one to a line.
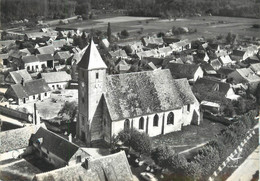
91,59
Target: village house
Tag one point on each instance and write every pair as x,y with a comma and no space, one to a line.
15,57
104,43
221,88
152,42
107,168
28,91
46,59
214,46
208,69
245,76
16,140
109,104
55,149
56,80
16,77
256,68
148,53
4,60
118,54
6,43
225,60
181,45
58,44
60,58
190,71
32,63
46,50
122,66
131,47
215,63
164,51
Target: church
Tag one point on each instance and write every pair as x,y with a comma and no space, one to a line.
150,101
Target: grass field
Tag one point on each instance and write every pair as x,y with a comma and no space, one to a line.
207,26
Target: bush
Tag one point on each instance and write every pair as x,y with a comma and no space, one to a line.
161,155
256,26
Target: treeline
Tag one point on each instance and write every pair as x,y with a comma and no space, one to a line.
36,9
53,9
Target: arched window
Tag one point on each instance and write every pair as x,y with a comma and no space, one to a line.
170,118
126,124
141,123
155,120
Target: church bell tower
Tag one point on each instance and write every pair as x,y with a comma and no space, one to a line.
91,82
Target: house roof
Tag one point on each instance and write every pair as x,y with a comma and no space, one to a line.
255,67
55,144
142,93
53,77
152,40
248,74
17,138
108,168
225,70
30,59
208,68
154,60
46,49
238,53
165,50
29,88
213,85
16,54
59,43
4,56
25,50
91,58
118,53
225,59
148,53
215,63
6,43
18,75
69,173
44,57
183,70
112,167
62,55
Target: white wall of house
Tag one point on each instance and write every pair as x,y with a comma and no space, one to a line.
34,66
33,98
58,85
198,74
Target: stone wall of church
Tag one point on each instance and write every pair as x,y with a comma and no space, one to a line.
97,123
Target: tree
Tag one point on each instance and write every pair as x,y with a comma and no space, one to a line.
140,142
109,32
124,33
160,34
162,154
68,111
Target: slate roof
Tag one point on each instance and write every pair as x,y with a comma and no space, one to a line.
62,55
29,88
91,58
18,75
213,85
44,57
59,43
30,59
17,138
183,70
248,74
238,53
55,144
118,53
53,77
255,67
4,56
112,167
46,49
69,173
143,93
154,60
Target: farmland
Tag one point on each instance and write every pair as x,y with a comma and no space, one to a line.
207,26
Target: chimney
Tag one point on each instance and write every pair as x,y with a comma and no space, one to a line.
86,163
70,138
22,82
